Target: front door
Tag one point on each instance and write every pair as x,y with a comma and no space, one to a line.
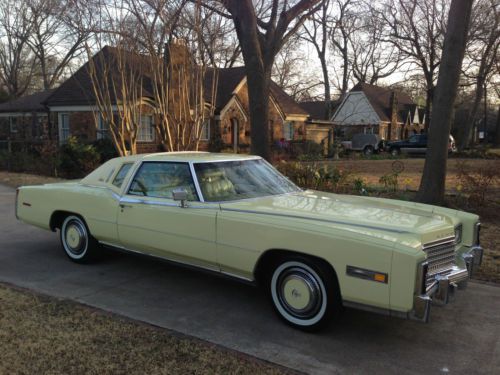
234,134
151,222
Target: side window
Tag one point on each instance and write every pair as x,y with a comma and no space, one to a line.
120,176
160,179
413,139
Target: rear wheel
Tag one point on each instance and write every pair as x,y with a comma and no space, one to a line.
304,293
368,150
76,240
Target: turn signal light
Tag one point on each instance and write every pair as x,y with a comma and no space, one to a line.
380,277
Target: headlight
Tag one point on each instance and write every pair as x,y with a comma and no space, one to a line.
458,234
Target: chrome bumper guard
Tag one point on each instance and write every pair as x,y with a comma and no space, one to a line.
442,290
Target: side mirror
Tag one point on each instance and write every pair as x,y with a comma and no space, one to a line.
181,195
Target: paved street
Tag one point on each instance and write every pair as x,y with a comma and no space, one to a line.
462,338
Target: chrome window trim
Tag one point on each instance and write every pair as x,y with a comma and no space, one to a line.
115,173
136,171
195,177
226,160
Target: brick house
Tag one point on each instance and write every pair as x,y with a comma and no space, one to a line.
71,110
378,110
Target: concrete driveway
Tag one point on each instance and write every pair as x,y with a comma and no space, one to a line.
462,338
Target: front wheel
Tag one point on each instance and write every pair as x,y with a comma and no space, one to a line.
76,240
304,293
395,151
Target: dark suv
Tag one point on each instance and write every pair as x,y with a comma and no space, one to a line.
416,144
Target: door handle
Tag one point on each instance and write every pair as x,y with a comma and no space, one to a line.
122,206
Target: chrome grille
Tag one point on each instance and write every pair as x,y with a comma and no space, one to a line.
440,258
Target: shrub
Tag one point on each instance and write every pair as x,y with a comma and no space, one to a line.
316,176
105,149
390,181
77,159
476,183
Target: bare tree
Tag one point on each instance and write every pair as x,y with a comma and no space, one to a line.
482,55
416,29
345,24
432,184
317,32
262,31
177,69
54,39
370,57
17,63
117,77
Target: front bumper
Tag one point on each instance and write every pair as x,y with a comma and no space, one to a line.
443,288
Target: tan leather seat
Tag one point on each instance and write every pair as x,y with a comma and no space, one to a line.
216,186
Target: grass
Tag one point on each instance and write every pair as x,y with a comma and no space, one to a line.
46,335
371,170
19,179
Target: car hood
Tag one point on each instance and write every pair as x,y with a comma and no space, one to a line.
353,211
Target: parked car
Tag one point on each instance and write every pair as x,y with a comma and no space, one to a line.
236,215
367,143
416,144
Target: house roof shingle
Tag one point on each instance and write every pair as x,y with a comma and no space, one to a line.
28,103
78,89
317,108
380,99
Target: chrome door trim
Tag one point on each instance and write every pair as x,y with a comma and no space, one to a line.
313,219
214,269
166,203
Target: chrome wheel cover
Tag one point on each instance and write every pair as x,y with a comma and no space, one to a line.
298,293
74,237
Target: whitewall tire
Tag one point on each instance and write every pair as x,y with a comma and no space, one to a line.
303,293
76,240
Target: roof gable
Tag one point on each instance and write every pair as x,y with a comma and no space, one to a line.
380,99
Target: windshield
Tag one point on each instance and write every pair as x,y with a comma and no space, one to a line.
232,180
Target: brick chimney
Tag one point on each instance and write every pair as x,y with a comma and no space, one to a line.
393,128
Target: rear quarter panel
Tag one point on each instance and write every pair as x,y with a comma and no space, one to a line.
97,206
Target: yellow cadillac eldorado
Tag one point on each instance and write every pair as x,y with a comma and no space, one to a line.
235,215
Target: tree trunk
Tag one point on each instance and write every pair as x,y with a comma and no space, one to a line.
471,118
433,180
428,107
497,129
326,80
258,95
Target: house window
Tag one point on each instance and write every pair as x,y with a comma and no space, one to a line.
64,129
146,130
205,130
102,128
368,130
288,130
13,124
